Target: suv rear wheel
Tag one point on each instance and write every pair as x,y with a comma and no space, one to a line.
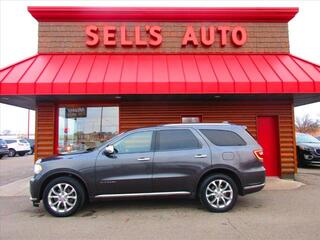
63,196
218,193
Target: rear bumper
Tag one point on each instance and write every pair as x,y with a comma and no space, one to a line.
23,151
253,180
4,152
253,188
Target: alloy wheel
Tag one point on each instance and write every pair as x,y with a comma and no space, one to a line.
219,193
62,197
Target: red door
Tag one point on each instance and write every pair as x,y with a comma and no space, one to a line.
268,138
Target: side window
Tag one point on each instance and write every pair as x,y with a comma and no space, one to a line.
10,141
223,137
135,143
176,140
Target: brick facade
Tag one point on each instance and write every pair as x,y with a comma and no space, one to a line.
71,37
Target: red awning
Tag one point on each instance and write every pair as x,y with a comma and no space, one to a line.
55,74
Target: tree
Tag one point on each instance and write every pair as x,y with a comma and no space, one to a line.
6,132
306,124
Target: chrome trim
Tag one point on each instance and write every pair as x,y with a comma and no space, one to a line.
200,156
142,194
143,159
254,186
195,124
33,199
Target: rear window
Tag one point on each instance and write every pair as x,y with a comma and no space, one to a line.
223,137
10,141
176,140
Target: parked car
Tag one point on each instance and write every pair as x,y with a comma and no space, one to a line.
3,148
318,137
308,149
31,142
214,162
18,146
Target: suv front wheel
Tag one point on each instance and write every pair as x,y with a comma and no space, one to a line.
63,196
218,193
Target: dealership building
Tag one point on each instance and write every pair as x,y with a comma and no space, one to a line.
101,71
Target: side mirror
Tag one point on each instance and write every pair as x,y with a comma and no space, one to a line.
109,149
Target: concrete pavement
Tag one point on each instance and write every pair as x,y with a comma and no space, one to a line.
269,214
12,169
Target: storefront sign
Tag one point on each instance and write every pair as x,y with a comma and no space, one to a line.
79,112
238,36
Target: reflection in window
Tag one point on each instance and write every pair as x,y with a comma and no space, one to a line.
191,119
80,131
135,143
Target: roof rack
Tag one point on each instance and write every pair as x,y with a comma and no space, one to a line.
186,124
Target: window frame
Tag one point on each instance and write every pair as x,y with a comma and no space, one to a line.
157,138
152,147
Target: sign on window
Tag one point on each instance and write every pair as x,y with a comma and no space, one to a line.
78,112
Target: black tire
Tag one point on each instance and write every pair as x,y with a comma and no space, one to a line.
80,196
12,152
224,207
1,156
21,154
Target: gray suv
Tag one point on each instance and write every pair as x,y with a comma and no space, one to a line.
212,162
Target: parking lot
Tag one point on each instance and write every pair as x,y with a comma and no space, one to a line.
12,169
270,214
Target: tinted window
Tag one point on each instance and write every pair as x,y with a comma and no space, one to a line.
23,141
2,142
10,141
134,143
223,137
176,139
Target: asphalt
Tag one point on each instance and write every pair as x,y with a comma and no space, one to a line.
275,213
12,169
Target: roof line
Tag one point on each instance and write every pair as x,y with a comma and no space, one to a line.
314,64
176,14
163,53
21,61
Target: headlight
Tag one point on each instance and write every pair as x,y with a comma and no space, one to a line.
37,168
305,148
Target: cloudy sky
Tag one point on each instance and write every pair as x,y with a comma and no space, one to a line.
18,38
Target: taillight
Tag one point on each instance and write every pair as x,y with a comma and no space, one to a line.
258,154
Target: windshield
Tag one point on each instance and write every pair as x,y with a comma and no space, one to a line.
306,138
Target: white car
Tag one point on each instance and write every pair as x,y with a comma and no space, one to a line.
18,146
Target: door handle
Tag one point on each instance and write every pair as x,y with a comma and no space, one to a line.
200,156
143,159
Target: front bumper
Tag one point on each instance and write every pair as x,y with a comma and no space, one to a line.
35,187
311,158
